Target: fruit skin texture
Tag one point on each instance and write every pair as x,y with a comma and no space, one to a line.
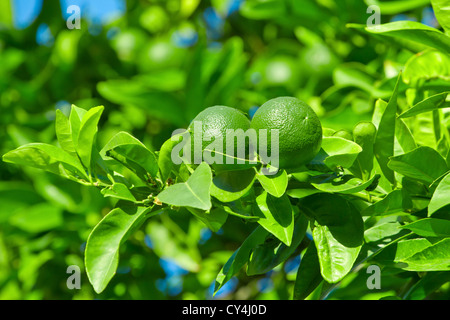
215,122
300,130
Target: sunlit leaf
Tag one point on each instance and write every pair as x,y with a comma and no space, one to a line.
229,186
267,256
240,257
87,136
442,11
427,65
275,184
119,191
336,260
102,248
413,32
277,216
432,103
308,274
384,142
430,227
339,152
46,157
416,164
195,192
441,196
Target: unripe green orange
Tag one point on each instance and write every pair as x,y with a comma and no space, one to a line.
299,129
215,121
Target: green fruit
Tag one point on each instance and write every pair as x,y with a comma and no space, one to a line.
300,130
364,129
318,60
154,19
364,134
280,70
215,121
128,43
160,54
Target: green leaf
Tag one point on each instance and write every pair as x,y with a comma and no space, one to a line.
309,10
188,7
64,132
167,80
138,157
240,257
87,136
308,274
422,127
394,203
428,284
75,117
433,258
346,184
126,163
301,193
274,184
228,76
413,33
214,220
399,249
339,215
399,6
380,107
165,162
195,85
102,248
440,196
384,142
194,193
229,186
122,138
430,227
6,14
277,216
441,10
355,75
38,218
382,231
15,196
431,103
416,164
407,248
427,65
46,157
339,152
119,191
262,9
272,252
335,259
242,208
173,244
404,136
132,92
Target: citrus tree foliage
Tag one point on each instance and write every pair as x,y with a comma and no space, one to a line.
96,187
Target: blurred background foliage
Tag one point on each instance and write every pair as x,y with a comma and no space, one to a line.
154,65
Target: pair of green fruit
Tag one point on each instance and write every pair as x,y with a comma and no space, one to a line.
299,128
